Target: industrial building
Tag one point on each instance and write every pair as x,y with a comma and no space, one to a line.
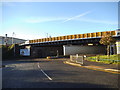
10,40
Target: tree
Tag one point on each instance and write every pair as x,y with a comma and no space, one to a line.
108,40
7,51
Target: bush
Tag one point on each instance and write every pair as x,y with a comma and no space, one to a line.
7,51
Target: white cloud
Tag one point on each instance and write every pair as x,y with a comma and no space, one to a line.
78,16
28,36
50,19
65,19
42,19
98,21
8,4
22,33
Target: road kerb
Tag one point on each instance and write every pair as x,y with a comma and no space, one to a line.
72,63
115,71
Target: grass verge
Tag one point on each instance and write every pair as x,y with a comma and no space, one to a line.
112,59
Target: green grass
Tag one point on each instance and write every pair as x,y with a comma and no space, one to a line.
113,59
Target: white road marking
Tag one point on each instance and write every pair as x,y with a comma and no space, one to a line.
44,73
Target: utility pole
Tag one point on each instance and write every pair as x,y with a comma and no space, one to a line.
13,42
6,39
12,37
57,53
48,35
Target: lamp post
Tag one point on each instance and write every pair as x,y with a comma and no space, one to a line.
12,37
6,39
13,42
57,53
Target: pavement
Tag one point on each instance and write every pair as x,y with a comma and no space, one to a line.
111,68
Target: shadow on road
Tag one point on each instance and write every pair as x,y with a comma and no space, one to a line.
33,79
22,61
25,84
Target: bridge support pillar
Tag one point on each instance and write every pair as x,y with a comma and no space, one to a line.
118,47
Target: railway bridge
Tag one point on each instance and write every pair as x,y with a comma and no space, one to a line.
87,43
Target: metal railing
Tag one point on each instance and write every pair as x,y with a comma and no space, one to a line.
76,59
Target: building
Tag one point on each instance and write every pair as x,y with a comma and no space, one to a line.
10,40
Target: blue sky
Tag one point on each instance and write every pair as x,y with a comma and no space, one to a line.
33,20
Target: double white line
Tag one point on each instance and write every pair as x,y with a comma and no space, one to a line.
44,73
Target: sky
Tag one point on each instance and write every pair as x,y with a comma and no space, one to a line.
35,20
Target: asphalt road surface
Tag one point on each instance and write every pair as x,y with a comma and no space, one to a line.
53,74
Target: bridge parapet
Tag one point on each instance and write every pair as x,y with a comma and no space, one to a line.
76,36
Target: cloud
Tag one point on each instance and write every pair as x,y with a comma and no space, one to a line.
28,36
78,16
50,19
22,33
65,19
9,4
98,21
41,20
14,4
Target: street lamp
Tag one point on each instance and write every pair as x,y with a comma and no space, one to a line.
13,34
57,53
6,39
12,37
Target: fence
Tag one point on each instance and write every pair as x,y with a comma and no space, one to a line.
76,59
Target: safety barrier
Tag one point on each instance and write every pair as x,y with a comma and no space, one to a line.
76,59
76,36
